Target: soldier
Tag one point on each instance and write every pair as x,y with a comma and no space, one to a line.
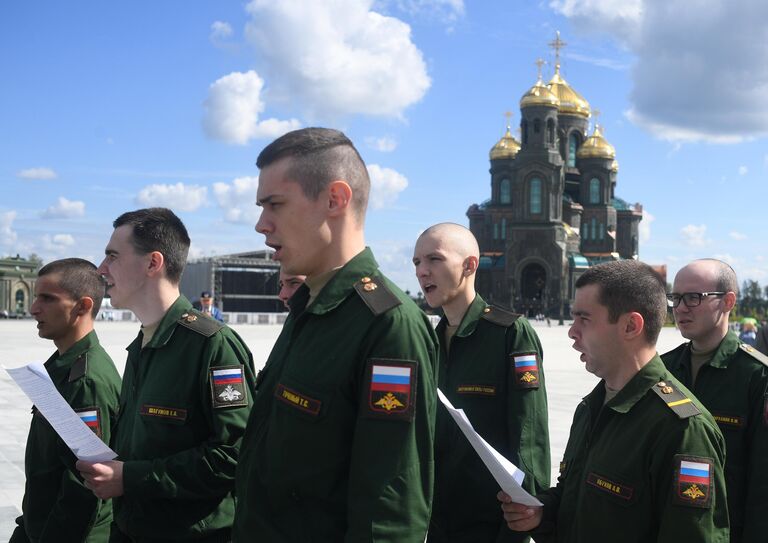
57,506
644,460
731,380
490,366
339,445
185,398
289,284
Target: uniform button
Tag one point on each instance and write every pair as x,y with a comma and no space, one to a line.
368,287
365,280
661,384
487,310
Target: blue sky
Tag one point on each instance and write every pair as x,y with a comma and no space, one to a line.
112,106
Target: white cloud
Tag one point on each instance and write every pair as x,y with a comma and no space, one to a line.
694,236
644,228
743,170
38,174
238,200
738,236
386,185
58,244
8,235
396,261
233,107
179,197
678,48
384,144
444,11
220,31
64,209
337,58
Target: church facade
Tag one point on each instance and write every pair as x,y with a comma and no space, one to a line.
552,211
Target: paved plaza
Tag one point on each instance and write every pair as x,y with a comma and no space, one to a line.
567,383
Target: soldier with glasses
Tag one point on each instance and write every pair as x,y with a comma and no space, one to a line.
731,380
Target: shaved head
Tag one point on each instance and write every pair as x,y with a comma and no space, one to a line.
715,273
453,237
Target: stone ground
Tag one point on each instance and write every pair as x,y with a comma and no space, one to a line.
567,383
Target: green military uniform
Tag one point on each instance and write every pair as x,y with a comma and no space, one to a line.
507,405
57,507
733,385
339,445
647,466
183,409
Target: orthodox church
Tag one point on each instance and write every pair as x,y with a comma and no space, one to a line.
552,212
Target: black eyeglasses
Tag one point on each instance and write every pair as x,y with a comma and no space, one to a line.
690,299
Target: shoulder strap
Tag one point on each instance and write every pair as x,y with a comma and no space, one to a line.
376,295
500,316
754,353
678,402
198,322
79,367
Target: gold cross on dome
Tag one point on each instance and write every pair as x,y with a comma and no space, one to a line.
539,63
508,115
557,44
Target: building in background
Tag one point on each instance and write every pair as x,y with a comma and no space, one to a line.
240,283
552,211
17,285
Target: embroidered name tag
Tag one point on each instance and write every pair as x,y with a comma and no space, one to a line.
526,370
483,390
611,487
228,387
163,412
391,388
693,480
728,420
90,416
300,401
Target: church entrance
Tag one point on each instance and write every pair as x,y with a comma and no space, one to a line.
533,291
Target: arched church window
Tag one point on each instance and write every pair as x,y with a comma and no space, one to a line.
601,231
524,131
594,228
535,195
594,191
551,132
503,228
536,126
573,145
19,301
505,191
495,230
584,231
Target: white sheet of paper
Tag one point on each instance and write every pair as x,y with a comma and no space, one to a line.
509,477
34,381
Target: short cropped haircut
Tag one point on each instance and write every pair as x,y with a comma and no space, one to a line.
78,278
318,157
724,275
159,229
630,286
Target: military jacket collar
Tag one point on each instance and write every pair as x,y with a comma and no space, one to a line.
65,360
340,286
637,387
166,327
469,320
722,354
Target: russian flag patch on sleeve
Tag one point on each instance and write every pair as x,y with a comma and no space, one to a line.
526,370
90,416
391,388
228,387
693,480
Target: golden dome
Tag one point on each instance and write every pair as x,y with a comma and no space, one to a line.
506,147
539,95
569,101
596,146
615,166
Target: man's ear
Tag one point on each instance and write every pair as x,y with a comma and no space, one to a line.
729,300
156,263
339,197
470,265
633,325
84,306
